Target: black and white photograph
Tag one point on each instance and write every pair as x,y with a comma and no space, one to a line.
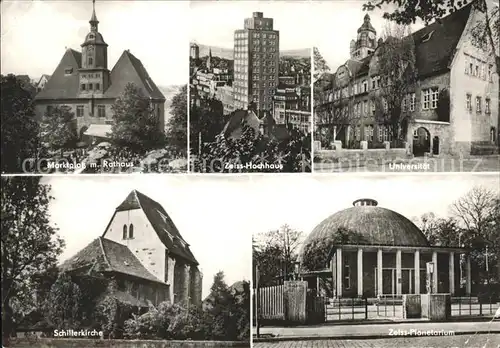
250,87
94,86
374,261
124,261
406,86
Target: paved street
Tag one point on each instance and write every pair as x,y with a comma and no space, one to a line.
477,164
378,330
475,341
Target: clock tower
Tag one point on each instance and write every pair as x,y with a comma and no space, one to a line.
94,73
366,41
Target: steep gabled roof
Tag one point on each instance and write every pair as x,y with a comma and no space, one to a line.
60,84
104,255
129,69
435,44
238,119
161,223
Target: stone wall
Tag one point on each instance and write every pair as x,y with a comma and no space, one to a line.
355,156
88,343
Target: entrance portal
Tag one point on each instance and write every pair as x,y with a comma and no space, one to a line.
421,141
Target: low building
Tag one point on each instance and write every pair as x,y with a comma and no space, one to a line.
142,250
369,252
40,85
292,107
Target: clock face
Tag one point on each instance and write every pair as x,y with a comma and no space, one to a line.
371,36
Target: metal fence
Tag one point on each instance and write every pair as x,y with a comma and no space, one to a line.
473,306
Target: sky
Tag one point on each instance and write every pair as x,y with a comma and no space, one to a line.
35,34
303,202
213,22
204,210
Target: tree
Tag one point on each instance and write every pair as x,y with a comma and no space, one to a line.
19,131
396,68
478,212
289,155
320,64
177,124
217,304
135,123
275,254
29,243
58,128
440,231
63,307
206,121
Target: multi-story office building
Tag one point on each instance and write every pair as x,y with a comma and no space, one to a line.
256,60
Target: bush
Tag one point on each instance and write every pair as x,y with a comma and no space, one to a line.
168,321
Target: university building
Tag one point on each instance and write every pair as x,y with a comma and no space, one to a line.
144,253
83,82
451,71
256,63
375,252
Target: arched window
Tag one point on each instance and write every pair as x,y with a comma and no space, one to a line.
124,231
131,231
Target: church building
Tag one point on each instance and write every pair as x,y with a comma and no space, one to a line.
142,250
452,109
83,82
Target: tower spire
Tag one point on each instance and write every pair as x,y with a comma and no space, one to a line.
93,20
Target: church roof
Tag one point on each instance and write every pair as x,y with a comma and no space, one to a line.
61,84
129,69
161,223
104,255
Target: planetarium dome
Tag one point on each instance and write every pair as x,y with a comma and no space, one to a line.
369,224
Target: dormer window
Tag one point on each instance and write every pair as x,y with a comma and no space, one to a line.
68,71
131,232
427,36
91,37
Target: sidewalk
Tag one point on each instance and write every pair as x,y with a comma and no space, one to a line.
370,331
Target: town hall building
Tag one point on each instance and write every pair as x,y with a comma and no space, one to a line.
142,250
83,82
451,71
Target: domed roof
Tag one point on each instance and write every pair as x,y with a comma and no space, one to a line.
368,224
94,38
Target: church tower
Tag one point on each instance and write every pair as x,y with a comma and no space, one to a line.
366,41
94,73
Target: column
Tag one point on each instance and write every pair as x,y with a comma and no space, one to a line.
435,275
360,272
170,277
416,266
467,276
339,272
379,272
398,272
185,284
451,271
